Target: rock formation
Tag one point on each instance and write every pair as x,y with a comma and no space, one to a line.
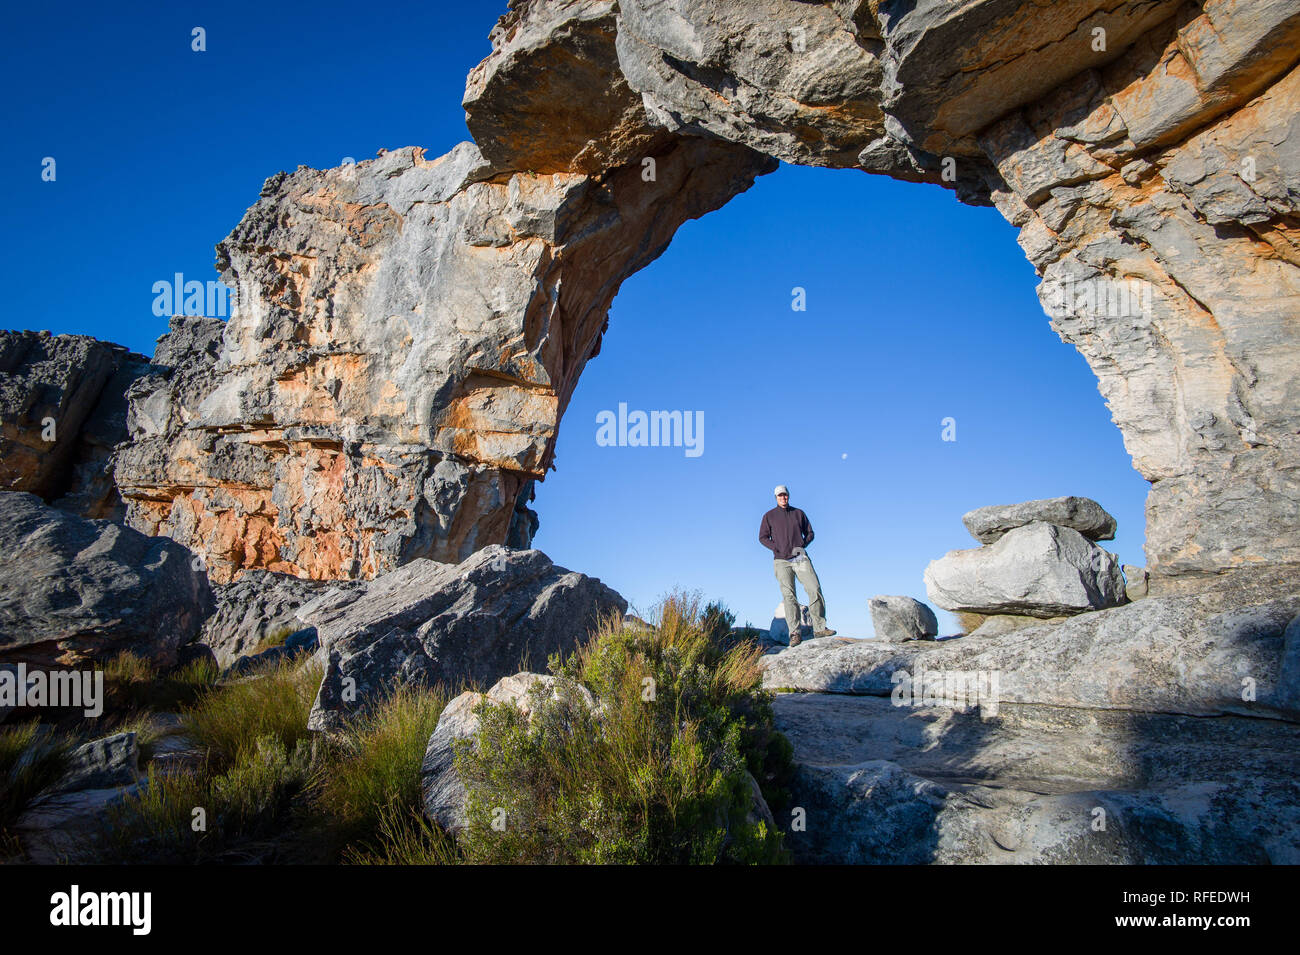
259,608
76,591
62,410
407,332
1010,747
406,335
1037,570
451,624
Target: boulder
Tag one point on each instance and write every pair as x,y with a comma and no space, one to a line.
444,793
77,590
1085,515
1038,570
450,624
897,619
61,827
1137,582
102,763
261,605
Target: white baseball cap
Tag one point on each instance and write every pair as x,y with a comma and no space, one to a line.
781,489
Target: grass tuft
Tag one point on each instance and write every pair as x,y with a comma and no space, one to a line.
31,759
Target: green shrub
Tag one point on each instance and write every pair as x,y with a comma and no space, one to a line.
258,759
250,800
658,774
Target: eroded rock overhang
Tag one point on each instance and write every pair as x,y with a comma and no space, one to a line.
408,332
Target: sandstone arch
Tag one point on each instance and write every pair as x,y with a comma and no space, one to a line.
407,332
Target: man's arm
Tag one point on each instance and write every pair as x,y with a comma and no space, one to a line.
765,535
806,529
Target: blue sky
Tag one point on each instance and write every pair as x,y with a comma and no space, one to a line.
918,308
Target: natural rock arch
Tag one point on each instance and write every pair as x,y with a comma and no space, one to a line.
407,333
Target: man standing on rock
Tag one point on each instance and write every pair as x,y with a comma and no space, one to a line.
785,531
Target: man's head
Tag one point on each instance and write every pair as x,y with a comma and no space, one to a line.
782,495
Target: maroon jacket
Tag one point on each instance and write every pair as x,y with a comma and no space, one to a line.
783,529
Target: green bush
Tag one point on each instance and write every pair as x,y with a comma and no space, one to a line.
250,800
658,773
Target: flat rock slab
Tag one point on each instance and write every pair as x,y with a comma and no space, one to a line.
881,783
1177,654
1083,514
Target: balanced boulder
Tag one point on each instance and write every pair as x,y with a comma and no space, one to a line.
1085,515
79,590
898,619
452,624
1039,570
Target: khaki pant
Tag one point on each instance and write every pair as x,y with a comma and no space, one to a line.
786,571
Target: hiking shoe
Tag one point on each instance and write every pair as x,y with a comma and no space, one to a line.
824,633
795,640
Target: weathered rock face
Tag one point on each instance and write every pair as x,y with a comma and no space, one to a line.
432,623
62,409
408,332
405,338
1038,570
1175,721
912,785
77,590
